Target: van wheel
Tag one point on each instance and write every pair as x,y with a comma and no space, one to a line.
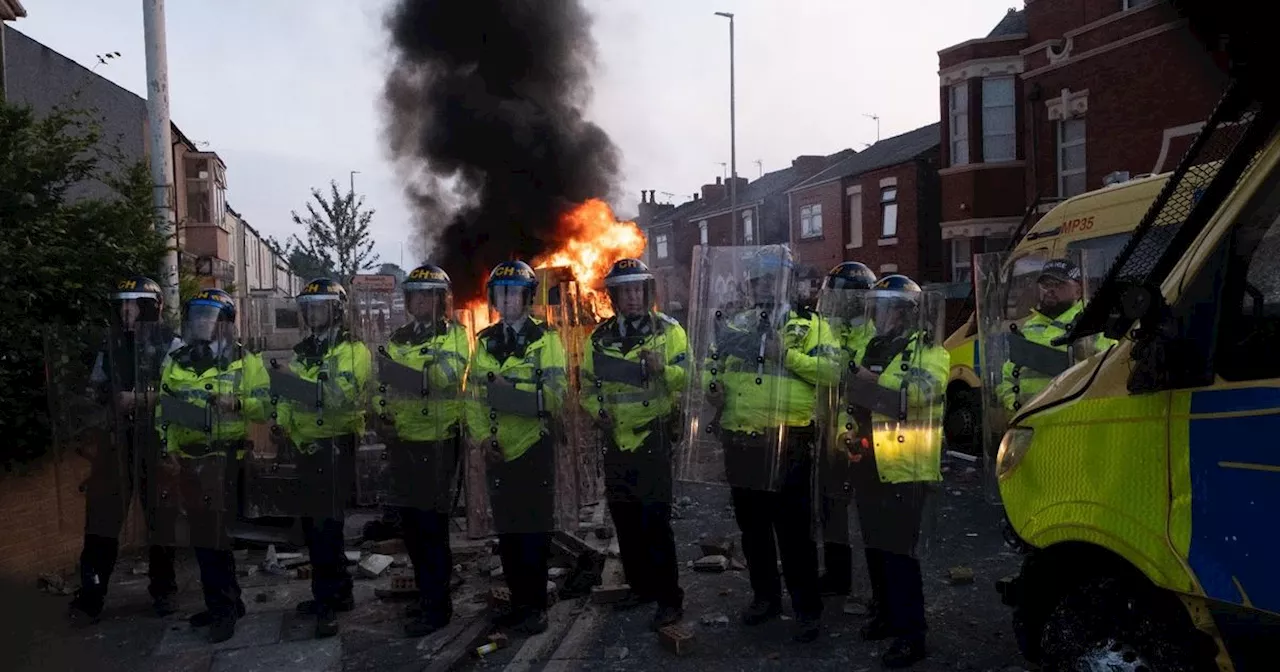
962,424
1109,625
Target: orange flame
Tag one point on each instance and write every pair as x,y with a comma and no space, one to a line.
594,240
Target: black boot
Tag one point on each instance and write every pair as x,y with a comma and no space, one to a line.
876,629
326,621
85,608
806,629
311,607
761,611
904,652
665,616
838,577
205,618
222,628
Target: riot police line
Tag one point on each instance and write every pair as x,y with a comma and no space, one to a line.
814,404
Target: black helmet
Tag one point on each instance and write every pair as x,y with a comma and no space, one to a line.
427,277
896,288
628,273
145,292
322,292
850,275
429,280
210,315
513,274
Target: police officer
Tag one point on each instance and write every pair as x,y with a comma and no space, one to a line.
633,375
853,331
197,466
326,440
1059,304
136,301
775,514
893,462
521,358
423,437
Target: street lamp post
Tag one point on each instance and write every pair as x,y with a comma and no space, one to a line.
733,136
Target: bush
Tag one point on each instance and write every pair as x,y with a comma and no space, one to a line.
59,258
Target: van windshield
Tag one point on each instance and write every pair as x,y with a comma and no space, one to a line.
1097,255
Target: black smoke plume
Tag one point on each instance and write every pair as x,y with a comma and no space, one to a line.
484,115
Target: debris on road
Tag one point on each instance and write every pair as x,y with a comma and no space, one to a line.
610,594
959,576
677,639
715,620
304,573
711,563
374,565
712,547
388,547
352,557
54,584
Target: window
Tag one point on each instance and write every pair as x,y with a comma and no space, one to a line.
702,232
889,212
998,125
958,115
748,228
811,221
961,260
1071,178
660,245
1096,257
855,219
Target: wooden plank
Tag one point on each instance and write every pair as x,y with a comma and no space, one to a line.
569,653
460,647
560,618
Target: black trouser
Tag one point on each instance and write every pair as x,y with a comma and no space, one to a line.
522,493
218,581
323,530
837,555
638,489
426,537
780,520
890,515
109,492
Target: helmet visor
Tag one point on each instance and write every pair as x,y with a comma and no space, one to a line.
632,299
511,302
428,305
204,323
319,311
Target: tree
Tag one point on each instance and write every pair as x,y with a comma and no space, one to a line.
395,270
337,234
59,259
299,262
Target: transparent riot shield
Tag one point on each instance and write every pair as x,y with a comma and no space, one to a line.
845,310
91,417
196,402
521,450
1026,303
317,396
746,410
888,439
417,418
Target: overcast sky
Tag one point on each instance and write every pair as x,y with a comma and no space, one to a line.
287,92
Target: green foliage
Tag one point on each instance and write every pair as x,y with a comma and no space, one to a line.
337,235
60,255
300,262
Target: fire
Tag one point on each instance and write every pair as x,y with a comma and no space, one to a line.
594,239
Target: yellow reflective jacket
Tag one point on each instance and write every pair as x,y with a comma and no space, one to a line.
244,378
786,392
634,404
911,451
444,357
347,366
1043,330
855,337
544,364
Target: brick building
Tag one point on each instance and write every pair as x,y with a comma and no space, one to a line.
760,217
1062,97
879,207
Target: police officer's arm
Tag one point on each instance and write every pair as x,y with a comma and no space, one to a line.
675,371
450,361
255,389
817,358
1005,389
475,421
925,377
555,370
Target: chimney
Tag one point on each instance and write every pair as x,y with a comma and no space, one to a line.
808,165
714,192
653,195
643,196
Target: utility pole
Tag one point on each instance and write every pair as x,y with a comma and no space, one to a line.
733,136
160,142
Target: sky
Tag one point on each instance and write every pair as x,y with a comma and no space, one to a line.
288,92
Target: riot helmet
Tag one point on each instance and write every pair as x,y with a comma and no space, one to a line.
428,294
137,299
322,304
631,287
895,304
209,317
511,286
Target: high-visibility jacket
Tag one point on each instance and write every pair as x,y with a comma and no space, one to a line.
443,353
347,365
785,394
539,367
855,337
911,450
632,405
1043,330
245,378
